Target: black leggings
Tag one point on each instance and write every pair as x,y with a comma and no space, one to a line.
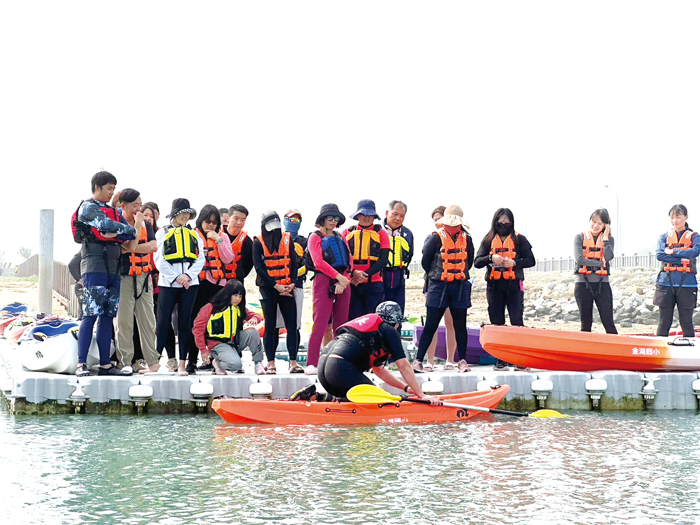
288,308
169,298
432,321
601,294
505,294
338,375
685,299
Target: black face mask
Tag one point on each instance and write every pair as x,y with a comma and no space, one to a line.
503,229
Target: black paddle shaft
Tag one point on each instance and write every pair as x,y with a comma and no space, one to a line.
492,410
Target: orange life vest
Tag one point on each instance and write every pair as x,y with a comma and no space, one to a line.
684,243
505,249
236,246
592,250
140,262
454,256
278,264
212,261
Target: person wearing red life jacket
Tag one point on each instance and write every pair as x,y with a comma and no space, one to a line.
136,291
101,230
365,344
676,284
369,248
276,264
504,253
217,254
447,257
241,244
593,251
332,267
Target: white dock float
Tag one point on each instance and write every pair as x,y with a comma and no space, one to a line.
44,393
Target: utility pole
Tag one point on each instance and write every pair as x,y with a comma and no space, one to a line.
45,261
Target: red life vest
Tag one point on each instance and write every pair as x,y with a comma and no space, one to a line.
593,250
140,262
278,264
236,246
366,328
212,261
684,243
84,233
505,249
454,256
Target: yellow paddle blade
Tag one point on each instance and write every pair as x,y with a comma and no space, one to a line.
370,395
547,413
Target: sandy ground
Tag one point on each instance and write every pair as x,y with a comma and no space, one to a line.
26,290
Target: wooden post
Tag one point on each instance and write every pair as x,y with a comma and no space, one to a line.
45,261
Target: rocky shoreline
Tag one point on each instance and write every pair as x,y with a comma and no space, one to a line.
549,299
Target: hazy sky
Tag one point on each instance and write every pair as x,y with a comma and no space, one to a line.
534,106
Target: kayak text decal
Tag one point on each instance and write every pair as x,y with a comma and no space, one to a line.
645,351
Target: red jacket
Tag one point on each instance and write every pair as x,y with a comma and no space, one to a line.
200,327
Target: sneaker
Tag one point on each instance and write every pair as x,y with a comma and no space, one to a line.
205,367
417,366
82,371
191,369
259,369
172,365
463,366
304,394
139,365
311,370
112,371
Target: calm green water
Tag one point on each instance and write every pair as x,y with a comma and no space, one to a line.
590,468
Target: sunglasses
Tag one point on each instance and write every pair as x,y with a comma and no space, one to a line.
293,220
335,219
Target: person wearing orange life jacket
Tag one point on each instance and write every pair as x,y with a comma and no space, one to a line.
447,257
400,255
593,251
369,248
676,284
217,254
505,254
241,244
179,258
101,231
276,264
136,291
292,225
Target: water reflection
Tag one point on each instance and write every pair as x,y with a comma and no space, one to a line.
591,468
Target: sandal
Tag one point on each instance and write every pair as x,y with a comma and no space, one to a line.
450,366
296,369
82,371
428,368
270,370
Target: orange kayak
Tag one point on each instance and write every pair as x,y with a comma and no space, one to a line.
284,412
585,351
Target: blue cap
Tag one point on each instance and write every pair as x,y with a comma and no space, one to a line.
365,207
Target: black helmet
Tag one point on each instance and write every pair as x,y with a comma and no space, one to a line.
390,312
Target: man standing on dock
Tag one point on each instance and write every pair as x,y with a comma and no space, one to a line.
101,230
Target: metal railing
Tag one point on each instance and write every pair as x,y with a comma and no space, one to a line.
63,283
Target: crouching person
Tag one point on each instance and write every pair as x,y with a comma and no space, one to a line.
220,334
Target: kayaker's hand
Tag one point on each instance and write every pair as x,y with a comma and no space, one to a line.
213,236
109,235
339,289
206,358
668,251
343,281
433,400
508,263
606,233
497,260
183,280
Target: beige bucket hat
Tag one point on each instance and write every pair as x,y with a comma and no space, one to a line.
453,217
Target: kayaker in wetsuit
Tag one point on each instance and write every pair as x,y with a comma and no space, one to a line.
593,251
505,254
364,344
677,284
447,257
